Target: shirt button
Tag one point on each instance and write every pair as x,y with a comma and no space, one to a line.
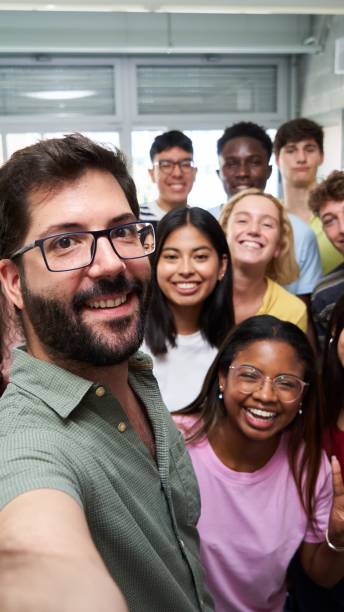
100,391
122,426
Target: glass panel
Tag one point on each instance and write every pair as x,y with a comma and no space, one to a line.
19,141
141,142
207,191
106,139
206,89
77,90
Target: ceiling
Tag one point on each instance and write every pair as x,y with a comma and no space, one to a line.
315,7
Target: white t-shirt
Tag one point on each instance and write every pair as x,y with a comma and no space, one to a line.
181,371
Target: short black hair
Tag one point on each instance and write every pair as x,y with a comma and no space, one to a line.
296,130
246,129
168,140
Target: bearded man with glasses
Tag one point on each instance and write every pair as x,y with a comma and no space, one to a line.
172,171
97,493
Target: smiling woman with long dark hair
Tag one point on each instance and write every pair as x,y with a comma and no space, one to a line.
191,308
254,437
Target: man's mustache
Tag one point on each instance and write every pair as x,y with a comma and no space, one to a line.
120,284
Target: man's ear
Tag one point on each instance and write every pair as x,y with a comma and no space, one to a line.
10,281
269,171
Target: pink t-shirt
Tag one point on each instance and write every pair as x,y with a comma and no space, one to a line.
251,525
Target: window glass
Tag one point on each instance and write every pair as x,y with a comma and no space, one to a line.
141,142
207,191
19,141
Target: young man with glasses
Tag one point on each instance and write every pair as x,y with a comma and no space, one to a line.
172,171
93,473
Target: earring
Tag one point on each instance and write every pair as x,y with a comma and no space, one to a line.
221,392
300,408
331,340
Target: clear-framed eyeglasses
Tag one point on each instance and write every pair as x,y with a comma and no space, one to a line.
73,250
167,166
248,379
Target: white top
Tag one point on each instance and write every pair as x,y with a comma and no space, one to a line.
181,371
151,211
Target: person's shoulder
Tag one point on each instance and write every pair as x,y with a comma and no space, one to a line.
301,228
216,210
332,279
187,424
150,211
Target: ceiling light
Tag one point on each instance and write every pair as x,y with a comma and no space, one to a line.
60,94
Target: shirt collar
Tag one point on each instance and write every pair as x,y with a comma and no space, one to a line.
60,389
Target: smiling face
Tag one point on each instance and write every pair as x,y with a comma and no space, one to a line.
261,415
299,163
243,164
332,216
188,267
173,186
93,314
253,231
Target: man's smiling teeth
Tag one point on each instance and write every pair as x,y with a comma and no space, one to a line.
109,303
261,414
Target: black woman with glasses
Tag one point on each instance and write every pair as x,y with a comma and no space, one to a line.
254,436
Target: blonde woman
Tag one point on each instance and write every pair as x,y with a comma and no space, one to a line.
260,239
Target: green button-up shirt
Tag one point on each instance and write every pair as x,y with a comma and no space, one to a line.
63,432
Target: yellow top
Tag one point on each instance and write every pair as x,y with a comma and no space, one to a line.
330,257
283,305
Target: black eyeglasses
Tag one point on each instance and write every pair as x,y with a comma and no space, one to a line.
249,379
167,166
74,250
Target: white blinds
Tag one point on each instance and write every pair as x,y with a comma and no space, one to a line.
67,90
165,89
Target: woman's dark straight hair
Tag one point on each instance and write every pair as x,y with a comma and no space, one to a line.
332,369
217,314
305,431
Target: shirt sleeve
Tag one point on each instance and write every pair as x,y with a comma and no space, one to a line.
36,460
323,503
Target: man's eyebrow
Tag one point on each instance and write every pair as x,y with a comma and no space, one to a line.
61,228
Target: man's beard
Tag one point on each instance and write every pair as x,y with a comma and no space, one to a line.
66,337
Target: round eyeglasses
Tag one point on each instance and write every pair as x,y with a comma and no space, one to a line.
74,250
249,379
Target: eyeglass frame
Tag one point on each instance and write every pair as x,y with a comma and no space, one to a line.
185,169
96,234
264,378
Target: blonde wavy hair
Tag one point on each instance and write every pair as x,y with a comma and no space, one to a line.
282,269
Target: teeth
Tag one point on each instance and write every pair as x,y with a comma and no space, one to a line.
187,285
250,244
110,303
264,414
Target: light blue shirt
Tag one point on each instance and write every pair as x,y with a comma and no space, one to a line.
306,254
